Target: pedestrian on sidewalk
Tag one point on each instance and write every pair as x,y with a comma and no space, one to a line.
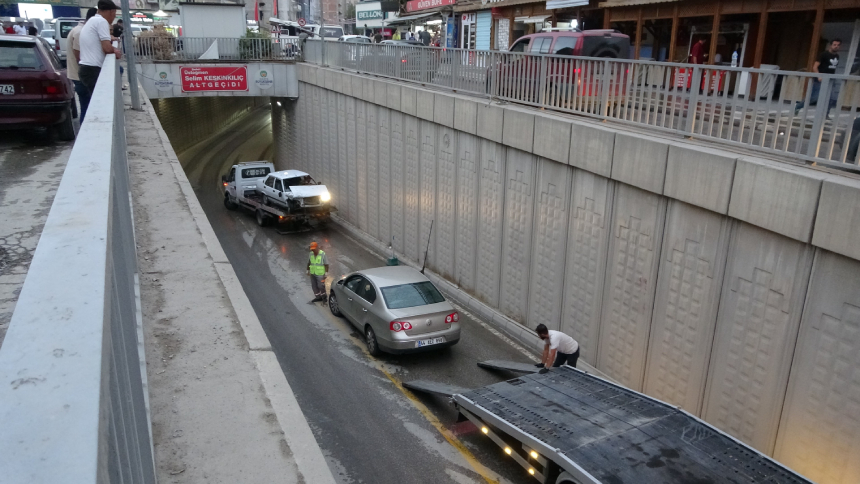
96,43
317,269
826,63
73,57
558,348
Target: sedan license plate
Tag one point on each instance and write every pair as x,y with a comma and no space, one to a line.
427,342
7,89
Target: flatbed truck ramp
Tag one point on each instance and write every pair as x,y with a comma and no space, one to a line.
570,427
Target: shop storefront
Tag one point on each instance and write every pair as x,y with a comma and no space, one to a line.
434,16
40,9
766,33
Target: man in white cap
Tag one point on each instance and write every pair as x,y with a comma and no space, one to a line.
317,268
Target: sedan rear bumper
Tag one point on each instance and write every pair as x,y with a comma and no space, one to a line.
399,346
30,115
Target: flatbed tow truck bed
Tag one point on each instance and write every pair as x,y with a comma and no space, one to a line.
567,426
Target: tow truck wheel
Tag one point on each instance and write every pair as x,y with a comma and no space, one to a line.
228,204
566,478
370,340
262,219
333,305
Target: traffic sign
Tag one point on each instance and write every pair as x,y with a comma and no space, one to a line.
302,22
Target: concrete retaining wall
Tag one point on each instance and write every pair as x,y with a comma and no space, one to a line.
725,284
188,121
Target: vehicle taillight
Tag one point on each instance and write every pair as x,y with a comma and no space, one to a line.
56,44
400,326
452,318
52,87
403,60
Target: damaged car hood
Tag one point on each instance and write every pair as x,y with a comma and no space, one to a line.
305,191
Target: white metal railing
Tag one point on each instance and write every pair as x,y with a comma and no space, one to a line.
752,108
73,404
166,49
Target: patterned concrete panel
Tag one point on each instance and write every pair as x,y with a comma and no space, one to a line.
468,164
372,171
445,228
819,435
762,298
491,214
411,187
588,239
352,213
688,291
517,238
361,162
552,200
342,160
631,276
331,138
384,167
427,211
316,130
398,182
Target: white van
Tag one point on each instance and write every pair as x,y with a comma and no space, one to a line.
62,27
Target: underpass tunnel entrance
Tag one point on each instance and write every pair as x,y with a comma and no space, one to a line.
190,120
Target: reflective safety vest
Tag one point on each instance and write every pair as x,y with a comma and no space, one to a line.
317,267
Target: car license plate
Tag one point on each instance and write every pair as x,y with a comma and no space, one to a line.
428,342
7,89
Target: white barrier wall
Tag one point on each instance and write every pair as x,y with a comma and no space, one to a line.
707,279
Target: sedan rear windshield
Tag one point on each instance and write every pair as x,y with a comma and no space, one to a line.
19,55
411,295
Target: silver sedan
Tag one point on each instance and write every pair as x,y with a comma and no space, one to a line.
397,308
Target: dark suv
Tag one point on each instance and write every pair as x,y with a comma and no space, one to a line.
34,89
519,74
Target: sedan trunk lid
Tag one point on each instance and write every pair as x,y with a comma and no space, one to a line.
424,319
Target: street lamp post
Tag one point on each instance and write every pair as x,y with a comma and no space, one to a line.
128,39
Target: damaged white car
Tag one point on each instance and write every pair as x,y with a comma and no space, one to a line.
292,190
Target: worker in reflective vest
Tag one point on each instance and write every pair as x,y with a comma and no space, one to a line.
317,268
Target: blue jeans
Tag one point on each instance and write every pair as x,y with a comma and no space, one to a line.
816,89
83,97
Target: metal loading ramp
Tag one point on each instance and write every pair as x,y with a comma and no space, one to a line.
618,436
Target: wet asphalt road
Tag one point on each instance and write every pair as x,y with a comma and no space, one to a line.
370,429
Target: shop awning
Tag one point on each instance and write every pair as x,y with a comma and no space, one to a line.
627,3
531,20
410,18
473,6
553,4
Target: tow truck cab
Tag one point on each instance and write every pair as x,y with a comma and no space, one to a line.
241,182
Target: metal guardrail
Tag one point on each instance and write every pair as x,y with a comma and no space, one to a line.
750,108
207,49
73,404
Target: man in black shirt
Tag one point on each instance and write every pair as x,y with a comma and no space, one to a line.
825,64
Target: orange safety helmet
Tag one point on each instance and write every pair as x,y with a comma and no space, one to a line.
314,245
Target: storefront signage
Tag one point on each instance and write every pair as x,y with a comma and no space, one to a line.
212,78
58,3
414,5
369,15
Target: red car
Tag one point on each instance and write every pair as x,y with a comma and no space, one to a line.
34,89
518,75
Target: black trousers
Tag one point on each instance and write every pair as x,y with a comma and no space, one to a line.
570,359
89,75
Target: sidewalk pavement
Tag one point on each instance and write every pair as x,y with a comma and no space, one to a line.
222,410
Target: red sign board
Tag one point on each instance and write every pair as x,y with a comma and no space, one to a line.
302,21
214,78
413,5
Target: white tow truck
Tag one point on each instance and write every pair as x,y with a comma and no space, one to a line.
284,197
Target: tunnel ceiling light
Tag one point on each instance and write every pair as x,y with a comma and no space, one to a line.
508,450
534,454
278,103
532,471
485,430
